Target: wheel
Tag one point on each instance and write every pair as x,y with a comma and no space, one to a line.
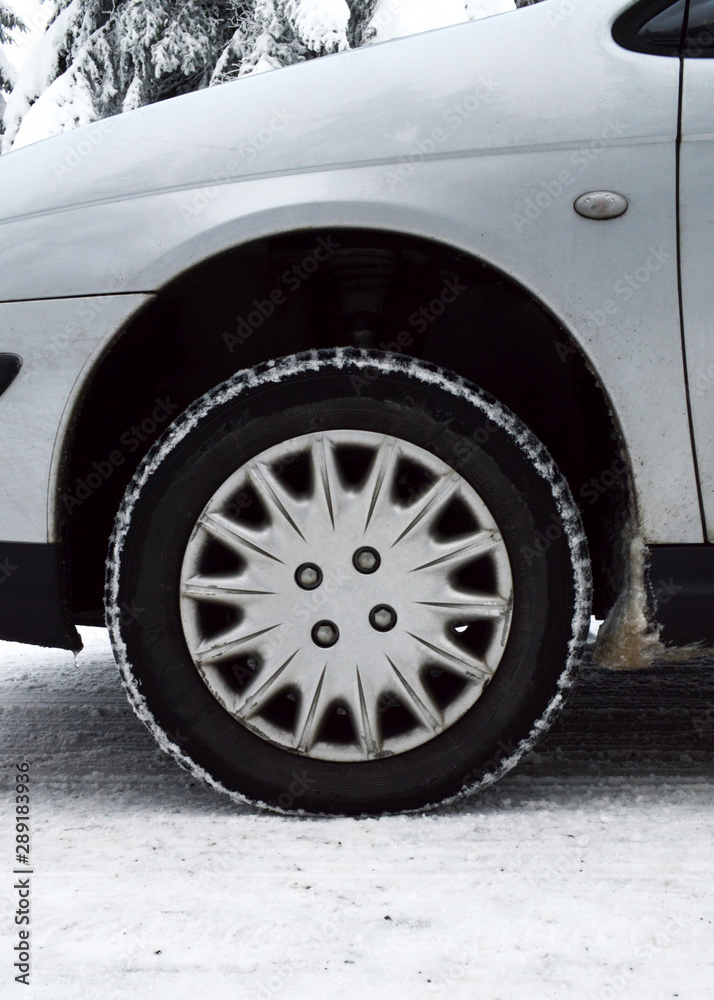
358,585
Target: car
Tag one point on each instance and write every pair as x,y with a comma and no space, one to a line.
345,396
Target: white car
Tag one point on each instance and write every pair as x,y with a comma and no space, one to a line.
364,379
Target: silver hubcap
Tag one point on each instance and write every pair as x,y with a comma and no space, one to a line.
346,595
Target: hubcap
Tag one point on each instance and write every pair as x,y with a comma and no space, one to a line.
356,606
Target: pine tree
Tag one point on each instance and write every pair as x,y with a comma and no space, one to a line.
359,30
273,33
102,57
9,23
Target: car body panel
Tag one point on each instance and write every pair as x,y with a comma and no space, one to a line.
58,340
375,138
525,81
697,247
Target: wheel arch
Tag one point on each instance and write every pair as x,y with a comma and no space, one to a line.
206,323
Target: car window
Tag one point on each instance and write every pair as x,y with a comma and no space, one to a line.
699,39
657,31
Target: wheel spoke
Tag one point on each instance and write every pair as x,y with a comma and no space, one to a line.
222,590
278,500
328,484
430,506
367,721
376,488
218,650
477,607
465,549
448,654
424,708
240,540
250,702
309,717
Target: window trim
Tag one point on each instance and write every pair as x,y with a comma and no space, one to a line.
625,29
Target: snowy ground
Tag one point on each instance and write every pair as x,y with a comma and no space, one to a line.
587,873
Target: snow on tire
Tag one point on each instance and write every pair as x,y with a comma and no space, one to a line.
361,585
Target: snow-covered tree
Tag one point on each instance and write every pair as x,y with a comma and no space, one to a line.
359,28
100,57
9,24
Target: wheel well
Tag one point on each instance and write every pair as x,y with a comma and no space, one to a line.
283,295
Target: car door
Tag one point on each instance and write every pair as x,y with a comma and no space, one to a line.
697,236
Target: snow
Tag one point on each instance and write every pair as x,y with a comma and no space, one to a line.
7,67
64,105
576,876
34,78
36,15
320,24
398,18
477,9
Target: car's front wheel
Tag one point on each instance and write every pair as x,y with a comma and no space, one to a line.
358,585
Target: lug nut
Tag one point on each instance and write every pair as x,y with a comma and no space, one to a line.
366,560
308,576
383,618
325,634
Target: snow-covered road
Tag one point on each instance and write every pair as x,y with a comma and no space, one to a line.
589,872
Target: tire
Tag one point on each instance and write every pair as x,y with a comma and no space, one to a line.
347,582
